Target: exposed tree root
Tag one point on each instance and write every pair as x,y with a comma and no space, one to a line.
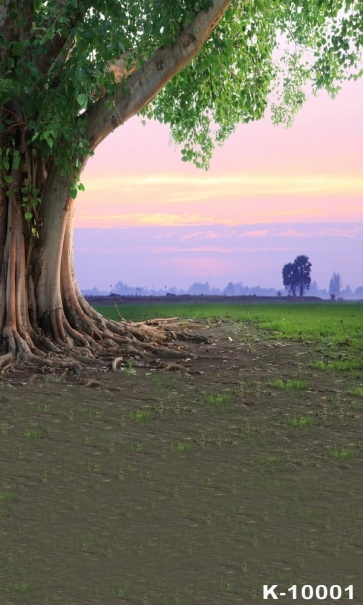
115,363
6,361
45,322
103,343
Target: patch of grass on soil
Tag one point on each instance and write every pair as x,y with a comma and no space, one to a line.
217,399
140,415
358,392
301,422
344,365
342,453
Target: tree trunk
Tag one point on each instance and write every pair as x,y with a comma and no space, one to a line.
44,319
30,301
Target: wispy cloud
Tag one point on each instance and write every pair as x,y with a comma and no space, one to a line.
199,235
179,255
197,250
213,211
155,219
144,186
261,233
331,231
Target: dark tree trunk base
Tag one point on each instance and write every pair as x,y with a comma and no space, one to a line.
112,345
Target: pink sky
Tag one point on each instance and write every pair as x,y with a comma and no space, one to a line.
311,173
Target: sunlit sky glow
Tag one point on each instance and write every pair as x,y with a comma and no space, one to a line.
310,174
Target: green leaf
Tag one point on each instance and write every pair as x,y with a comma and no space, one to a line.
73,192
48,136
8,178
81,187
6,84
82,100
80,76
16,49
28,215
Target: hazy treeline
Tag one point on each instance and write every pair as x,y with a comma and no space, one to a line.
231,289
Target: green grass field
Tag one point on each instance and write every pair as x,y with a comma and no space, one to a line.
334,329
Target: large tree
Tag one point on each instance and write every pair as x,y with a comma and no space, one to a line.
71,71
289,278
296,276
302,269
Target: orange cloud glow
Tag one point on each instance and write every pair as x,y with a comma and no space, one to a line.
144,188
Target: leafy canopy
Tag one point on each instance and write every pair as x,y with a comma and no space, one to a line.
296,276
54,59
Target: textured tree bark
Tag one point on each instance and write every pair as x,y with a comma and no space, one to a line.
41,307
42,310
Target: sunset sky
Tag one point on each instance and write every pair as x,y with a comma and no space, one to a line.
149,219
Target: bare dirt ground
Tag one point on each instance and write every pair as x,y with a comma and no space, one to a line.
184,486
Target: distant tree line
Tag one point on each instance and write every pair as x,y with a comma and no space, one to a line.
196,289
296,278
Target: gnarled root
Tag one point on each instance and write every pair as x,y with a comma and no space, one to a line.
87,339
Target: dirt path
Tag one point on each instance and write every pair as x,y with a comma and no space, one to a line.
186,487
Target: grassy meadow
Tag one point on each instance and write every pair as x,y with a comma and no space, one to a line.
335,329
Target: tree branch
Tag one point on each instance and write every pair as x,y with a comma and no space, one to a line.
145,83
